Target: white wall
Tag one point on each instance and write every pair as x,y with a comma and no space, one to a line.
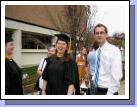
17,42
32,57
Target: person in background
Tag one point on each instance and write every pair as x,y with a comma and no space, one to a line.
81,60
13,73
42,65
91,58
60,77
108,69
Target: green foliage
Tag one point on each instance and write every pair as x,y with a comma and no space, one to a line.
118,39
29,83
30,70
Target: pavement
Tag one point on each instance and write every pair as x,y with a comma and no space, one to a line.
122,88
121,91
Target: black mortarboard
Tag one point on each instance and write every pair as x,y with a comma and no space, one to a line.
8,37
62,37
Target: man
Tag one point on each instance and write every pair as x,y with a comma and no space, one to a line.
13,74
108,68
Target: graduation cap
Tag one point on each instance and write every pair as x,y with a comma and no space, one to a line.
8,38
63,37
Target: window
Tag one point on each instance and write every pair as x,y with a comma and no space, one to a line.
35,41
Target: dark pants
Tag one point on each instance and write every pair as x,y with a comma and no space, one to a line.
85,90
103,91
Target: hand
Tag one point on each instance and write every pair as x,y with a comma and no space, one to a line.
71,89
43,92
69,93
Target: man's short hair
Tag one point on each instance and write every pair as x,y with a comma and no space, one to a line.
101,25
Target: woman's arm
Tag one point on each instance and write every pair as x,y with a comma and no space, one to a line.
77,58
44,87
39,72
40,67
71,89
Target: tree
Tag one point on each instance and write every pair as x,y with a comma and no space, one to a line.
89,35
77,21
118,39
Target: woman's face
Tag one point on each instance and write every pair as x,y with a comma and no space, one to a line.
9,48
61,46
51,51
84,51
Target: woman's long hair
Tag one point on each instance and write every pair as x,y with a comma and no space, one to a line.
66,57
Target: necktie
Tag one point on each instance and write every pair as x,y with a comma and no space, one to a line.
97,68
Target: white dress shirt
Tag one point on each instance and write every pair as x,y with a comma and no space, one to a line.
110,71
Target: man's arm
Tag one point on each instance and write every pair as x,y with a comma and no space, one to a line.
115,71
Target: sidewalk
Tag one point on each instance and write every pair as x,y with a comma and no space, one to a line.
122,88
121,91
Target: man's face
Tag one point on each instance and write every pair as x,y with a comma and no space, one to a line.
100,35
9,48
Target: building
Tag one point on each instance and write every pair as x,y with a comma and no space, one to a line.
33,28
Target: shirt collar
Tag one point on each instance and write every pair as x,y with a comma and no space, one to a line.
104,45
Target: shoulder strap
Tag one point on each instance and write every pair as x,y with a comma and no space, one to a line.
43,63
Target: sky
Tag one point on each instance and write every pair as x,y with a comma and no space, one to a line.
113,16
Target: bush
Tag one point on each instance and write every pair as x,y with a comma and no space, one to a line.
30,70
30,81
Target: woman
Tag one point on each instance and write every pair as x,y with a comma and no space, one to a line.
41,67
60,76
92,58
91,65
13,74
81,60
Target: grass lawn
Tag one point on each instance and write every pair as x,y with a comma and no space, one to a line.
29,83
30,70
